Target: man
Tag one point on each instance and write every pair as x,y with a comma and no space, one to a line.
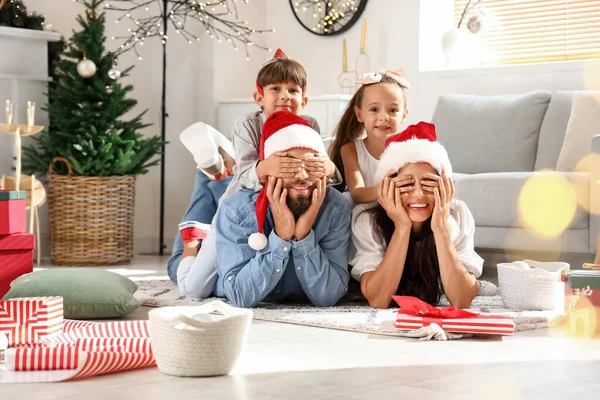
307,225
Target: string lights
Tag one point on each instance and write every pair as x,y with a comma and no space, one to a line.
327,16
145,19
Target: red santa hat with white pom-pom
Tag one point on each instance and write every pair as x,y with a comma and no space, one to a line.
282,131
416,144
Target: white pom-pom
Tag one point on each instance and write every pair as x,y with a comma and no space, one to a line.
257,241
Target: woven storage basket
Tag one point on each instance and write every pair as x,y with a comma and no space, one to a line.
91,218
536,288
204,340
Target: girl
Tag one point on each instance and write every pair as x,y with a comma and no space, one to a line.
378,107
419,240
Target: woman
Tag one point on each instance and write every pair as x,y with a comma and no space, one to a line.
419,240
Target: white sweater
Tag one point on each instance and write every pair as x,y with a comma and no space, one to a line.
367,252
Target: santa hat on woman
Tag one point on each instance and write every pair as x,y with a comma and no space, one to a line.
282,131
417,144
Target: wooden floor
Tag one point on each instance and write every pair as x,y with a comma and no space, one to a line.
283,361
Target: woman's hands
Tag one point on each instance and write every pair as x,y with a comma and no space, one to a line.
443,190
389,196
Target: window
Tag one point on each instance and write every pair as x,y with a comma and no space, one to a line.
532,31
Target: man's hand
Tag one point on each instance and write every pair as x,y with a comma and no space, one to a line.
319,165
278,165
306,220
282,215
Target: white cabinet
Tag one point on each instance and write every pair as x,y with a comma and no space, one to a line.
327,110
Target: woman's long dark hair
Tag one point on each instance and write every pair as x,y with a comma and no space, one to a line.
350,129
421,276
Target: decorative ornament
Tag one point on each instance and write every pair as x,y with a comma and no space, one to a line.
477,23
114,74
86,68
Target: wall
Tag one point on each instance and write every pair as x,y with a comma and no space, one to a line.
406,34
400,34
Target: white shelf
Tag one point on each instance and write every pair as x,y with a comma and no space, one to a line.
29,34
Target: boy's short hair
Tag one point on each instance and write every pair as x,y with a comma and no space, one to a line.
282,70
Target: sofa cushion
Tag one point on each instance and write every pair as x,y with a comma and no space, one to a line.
493,198
491,133
583,125
552,132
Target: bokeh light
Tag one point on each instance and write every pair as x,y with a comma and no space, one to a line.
547,204
584,189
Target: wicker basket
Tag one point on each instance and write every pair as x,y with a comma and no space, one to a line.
91,218
538,287
205,340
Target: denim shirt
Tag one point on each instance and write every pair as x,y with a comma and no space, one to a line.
314,268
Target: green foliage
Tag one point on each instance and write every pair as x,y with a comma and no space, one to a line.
86,114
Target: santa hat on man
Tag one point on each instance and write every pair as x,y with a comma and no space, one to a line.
282,131
417,144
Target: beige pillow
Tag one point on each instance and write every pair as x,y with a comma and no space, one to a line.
583,125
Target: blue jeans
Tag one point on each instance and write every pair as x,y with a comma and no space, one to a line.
202,208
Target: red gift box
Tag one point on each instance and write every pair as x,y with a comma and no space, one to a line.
28,320
16,258
13,218
414,314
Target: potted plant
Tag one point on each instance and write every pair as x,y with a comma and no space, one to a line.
91,154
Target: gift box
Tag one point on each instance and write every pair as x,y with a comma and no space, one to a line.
582,302
25,321
414,314
84,349
13,218
16,258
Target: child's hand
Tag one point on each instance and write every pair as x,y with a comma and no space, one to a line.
278,165
319,165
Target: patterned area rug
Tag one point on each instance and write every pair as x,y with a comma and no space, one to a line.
351,316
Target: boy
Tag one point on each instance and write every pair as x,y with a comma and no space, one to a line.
281,85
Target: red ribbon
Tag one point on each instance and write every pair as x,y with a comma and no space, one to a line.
412,306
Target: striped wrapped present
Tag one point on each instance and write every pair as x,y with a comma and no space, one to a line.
84,349
414,314
28,320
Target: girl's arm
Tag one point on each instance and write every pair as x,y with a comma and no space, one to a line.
354,179
380,285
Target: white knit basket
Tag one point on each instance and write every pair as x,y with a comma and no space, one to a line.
204,340
535,288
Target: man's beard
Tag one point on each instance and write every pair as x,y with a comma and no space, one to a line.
301,204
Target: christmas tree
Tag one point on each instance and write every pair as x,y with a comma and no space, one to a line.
86,106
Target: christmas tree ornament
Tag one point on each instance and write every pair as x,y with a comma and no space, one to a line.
86,68
476,24
114,74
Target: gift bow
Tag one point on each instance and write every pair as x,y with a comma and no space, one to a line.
412,306
375,77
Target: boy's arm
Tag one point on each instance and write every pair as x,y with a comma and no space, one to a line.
333,173
246,141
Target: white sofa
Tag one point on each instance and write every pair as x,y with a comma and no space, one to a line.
495,144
